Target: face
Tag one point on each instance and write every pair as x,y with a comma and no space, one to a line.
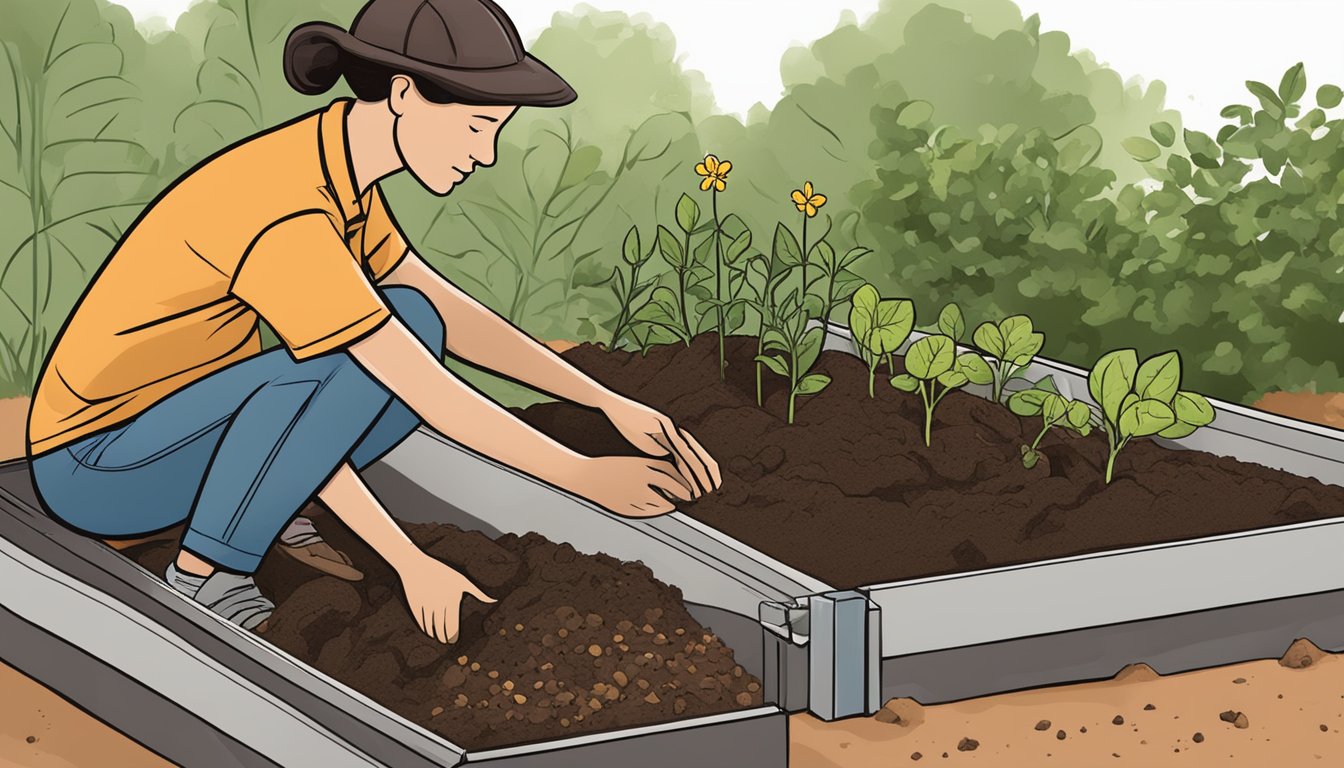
441,144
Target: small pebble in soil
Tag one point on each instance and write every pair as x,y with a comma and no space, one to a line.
916,756
31,739
1324,728
1239,681
1044,725
1198,738
435,712
1148,707
1083,729
1238,719
967,745
1061,735
944,754
1118,720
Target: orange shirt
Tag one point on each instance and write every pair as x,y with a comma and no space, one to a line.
269,227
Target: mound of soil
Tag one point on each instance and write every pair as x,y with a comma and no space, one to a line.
575,644
850,494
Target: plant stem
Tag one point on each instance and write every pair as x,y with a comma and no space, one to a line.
718,278
928,410
760,349
681,283
803,296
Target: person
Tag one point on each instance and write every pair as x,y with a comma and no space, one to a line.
157,406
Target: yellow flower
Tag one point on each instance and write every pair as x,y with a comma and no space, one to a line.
806,201
715,172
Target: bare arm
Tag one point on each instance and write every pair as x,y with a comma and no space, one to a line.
479,335
397,359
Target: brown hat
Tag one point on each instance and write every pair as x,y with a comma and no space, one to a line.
467,47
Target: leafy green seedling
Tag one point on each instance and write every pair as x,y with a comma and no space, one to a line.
1012,343
1054,409
628,292
933,360
801,347
879,326
1144,400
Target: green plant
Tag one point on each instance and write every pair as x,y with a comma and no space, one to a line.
772,272
1144,400
1055,410
801,347
1012,343
628,290
879,327
933,360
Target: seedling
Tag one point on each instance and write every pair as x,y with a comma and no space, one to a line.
880,326
1012,343
933,360
628,290
773,271
1054,410
801,347
1144,400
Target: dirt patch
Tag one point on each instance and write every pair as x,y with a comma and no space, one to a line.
850,494
576,644
1302,654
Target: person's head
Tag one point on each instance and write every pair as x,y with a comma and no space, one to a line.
452,72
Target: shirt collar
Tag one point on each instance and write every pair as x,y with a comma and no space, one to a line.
336,164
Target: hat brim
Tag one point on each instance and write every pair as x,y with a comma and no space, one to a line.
526,83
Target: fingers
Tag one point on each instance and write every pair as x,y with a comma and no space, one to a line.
698,468
663,477
441,625
704,455
479,595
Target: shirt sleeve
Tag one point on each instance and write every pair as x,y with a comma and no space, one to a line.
306,284
384,244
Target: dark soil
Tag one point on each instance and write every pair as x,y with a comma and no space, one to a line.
576,644
850,494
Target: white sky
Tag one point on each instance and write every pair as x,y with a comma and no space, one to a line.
1204,50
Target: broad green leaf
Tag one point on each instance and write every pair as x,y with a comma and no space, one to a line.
688,213
1164,133
809,348
1020,339
1079,415
1028,402
1054,408
1111,379
1268,98
1141,149
812,383
1145,417
989,339
975,369
1329,96
1159,377
786,249
893,323
953,379
774,363
580,166
822,254
1241,112
930,357
1193,409
773,338
1293,86
1177,431
1204,151
738,247
630,249
863,307
672,250
905,382
951,322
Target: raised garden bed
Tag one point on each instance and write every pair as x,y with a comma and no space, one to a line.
96,626
851,495
576,644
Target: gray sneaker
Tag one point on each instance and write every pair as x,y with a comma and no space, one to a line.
233,596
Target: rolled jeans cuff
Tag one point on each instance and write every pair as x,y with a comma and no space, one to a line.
220,553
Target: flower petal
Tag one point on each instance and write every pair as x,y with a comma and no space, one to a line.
807,189
712,163
724,168
799,199
802,207
811,210
701,169
704,184
720,185
818,200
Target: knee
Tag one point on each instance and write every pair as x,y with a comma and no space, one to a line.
417,313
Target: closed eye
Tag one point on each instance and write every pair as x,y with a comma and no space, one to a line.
474,130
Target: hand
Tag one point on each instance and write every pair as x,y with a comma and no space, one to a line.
655,434
627,485
434,592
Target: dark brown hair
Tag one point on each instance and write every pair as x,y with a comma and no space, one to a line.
324,65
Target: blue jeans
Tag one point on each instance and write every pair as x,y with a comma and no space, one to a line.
235,454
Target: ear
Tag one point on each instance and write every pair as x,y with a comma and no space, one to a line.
402,90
